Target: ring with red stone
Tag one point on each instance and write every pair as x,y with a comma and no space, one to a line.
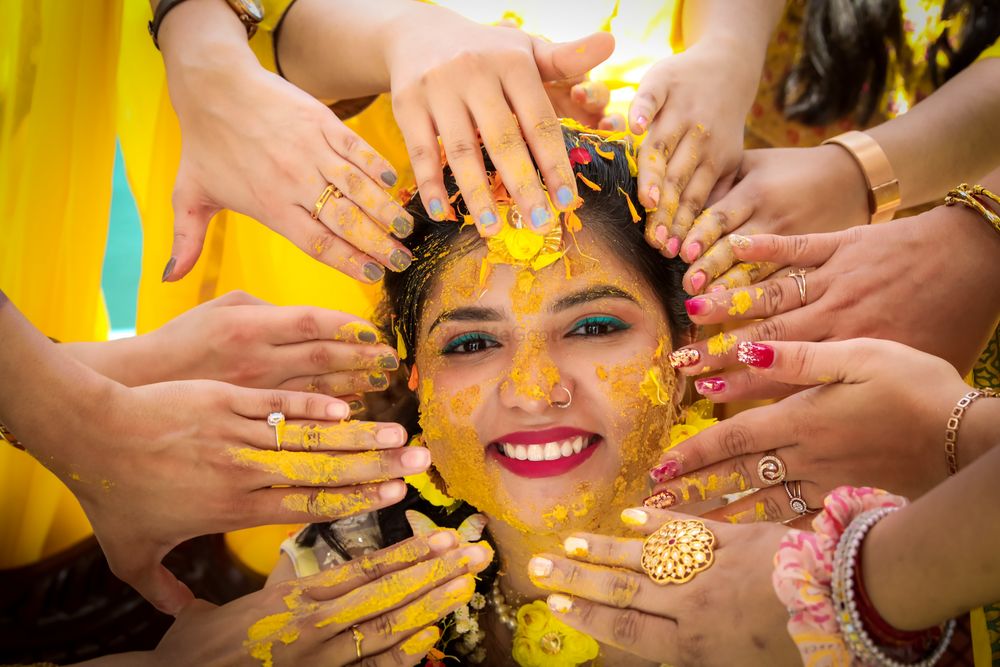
678,551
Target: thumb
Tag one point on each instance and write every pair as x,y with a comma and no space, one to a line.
562,60
142,569
191,218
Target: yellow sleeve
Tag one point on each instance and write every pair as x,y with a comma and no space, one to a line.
677,27
992,51
262,43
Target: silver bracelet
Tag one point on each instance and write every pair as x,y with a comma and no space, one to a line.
852,628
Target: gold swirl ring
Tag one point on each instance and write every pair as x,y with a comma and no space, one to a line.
677,551
330,191
771,469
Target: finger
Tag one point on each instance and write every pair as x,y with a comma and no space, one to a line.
465,156
353,148
604,550
237,298
766,299
614,122
805,250
365,193
645,635
259,403
294,324
401,588
564,60
692,198
412,651
142,569
653,155
191,219
729,213
343,217
347,436
770,504
543,133
649,99
315,239
326,356
809,363
592,96
743,275
265,468
742,385
339,384
715,261
425,155
681,166
271,506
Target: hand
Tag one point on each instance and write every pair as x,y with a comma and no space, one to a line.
256,144
874,415
726,615
393,597
778,191
158,464
246,341
695,135
584,101
898,281
471,77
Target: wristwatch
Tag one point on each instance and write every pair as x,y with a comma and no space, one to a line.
250,13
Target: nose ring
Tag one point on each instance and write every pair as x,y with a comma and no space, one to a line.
569,397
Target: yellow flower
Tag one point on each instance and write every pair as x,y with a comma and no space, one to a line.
542,640
426,486
522,244
696,418
652,387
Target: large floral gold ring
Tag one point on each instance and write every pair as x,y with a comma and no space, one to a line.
678,551
328,192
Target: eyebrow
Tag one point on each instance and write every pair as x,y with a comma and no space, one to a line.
467,314
591,294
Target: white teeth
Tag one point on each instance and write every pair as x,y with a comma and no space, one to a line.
567,448
578,444
552,451
535,453
549,451
520,452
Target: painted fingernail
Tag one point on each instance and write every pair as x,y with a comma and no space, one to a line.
539,567
576,546
696,307
684,357
698,280
564,196
757,355
401,227
400,260
487,219
436,209
673,246
373,272
739,241
391,435
540,216
660,500
693,252
716,288
388,362
617,123
634,517
640,124
168,269
654,194
356,406
559,603
388,178
392,491
415,458
660,235
666,471
367,334
378,380
706,386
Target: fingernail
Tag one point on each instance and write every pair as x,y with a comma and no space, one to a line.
388,178
540,216
588,88
464,584
400,260
391,436
392,491
666,471
168,269
617,123
356,406
415,458
673,246
373,272
559,603
388,362
401,227
564,196
475,555
378,380
640,125
660,235
487,219
539,567
576,546
422,642
706,386
757,355
338,410
367,335
660,500
697,307
442,540
698,280
716,288
739,241
693,252
437,210
634,517
684,357
654,194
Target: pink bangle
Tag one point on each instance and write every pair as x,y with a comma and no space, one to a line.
803,568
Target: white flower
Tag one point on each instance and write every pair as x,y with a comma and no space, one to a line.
478,601
462,627
462,613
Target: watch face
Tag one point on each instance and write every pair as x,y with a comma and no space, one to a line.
251,8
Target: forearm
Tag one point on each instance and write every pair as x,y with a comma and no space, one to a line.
746,25
128,361
956,126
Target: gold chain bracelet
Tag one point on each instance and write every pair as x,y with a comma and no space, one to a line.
966,194
8,437
955,420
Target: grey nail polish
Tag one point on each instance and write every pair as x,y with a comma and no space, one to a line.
366,336
373,272
168,269
388,362
401,227
388,178
400,260
378,380
355,406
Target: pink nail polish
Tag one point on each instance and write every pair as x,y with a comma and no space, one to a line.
706,386
660,234
654,195
640,124
693,252
757,355
696,307
666,471
686,356
673,246
698,281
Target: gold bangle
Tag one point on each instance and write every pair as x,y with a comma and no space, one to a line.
955,420
966,194
883,186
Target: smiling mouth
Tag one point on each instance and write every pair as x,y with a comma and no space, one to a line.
544,453
549,451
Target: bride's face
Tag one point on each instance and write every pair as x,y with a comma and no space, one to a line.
495,363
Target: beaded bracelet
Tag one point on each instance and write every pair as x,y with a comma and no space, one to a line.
966,195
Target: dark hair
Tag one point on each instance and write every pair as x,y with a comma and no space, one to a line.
847,46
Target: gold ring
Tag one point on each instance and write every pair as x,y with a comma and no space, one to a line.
330,191
277,420
358,636
677,551
771,469
799,276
